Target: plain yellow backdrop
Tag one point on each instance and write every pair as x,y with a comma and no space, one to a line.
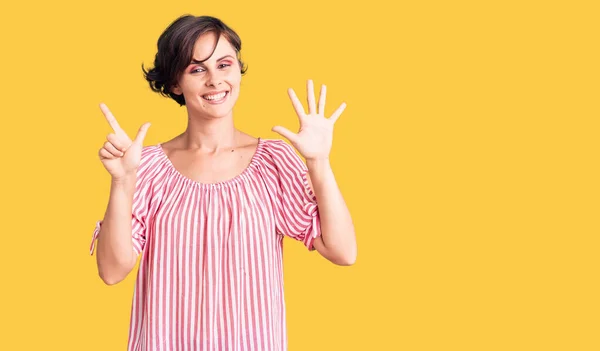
468,155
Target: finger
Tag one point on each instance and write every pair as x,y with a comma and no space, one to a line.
322,99
139,138
118,142
334,117
310,94
112,149
105,155
111,119
296,103
285,133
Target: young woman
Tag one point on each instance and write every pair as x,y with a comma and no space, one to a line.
209,209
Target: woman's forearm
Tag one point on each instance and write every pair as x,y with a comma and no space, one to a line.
115,254
337,229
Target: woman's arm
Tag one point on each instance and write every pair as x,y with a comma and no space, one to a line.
337,242
115,255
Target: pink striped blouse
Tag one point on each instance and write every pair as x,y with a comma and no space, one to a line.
210,275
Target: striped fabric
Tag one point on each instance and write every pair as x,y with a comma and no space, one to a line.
210,274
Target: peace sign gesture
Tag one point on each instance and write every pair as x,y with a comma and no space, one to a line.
315,137
119,155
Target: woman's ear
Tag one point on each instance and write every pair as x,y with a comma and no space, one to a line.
176,90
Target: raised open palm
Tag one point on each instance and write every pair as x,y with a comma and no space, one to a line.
120,155
315,136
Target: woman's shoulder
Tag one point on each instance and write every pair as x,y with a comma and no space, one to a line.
151,153
152,161
277,147
279,154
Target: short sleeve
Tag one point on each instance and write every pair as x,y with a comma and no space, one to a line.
296,209
140,209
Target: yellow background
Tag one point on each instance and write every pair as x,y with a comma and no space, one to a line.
468,155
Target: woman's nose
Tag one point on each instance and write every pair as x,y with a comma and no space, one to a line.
214,79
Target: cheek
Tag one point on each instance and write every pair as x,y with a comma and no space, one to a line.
189,87
234,78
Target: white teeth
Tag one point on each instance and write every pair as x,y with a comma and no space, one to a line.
215,97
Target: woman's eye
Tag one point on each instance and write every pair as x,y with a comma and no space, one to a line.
197,70
223,65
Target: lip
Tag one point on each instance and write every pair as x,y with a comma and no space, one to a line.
217,102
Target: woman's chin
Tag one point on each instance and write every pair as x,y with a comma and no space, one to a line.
212,114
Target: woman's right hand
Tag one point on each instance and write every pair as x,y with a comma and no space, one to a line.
120,155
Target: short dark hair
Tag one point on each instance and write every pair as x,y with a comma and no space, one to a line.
176,48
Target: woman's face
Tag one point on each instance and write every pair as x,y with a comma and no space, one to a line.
211,88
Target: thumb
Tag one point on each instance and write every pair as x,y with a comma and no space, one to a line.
139,138
284,132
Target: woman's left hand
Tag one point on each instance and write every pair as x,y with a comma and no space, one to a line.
315,137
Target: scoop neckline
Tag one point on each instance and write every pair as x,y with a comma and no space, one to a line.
235,179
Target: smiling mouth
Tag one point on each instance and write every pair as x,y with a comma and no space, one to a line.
216,97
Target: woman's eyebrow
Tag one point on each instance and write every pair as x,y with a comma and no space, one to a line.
194,61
